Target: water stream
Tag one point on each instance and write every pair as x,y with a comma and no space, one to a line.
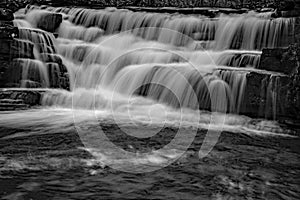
144,74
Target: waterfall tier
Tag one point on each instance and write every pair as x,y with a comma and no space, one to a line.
112,55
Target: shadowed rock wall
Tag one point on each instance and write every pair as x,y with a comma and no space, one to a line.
18,65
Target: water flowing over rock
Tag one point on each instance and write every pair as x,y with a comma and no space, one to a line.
283,60
22,51
11,99
237,63
46,21
246,31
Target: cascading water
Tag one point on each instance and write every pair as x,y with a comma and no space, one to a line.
134,93
159,56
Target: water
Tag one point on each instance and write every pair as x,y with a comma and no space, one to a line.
141,81
46,158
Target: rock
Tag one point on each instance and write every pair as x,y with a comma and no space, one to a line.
45,20
58,76
25,97
287,5
54,58
29,73
6,23
6,14
14,48
22,49
25,73
267,96
5,49
43,40
282,60
13,5
291,13
50,22
4,65
275,95
297,30
8,31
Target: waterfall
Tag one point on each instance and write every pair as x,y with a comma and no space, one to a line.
28,73
180,60
252,31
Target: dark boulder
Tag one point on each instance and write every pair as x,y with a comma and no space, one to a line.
50,22
47,21
282,60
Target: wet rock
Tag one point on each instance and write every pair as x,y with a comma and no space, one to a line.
22,49
49,21
253,98
6,14
58,76
267,96
287,5
282,60
5,46
297,30
14,48
25,73
19,98
14,5
4,65
292,13
6,23
54,58
8,31
275,95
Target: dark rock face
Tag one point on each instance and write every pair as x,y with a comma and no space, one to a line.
58,75
4,65
53,58
279,60
7,31
6,14
297,30
19,68
253,97
275,95
19,99
266,96
49,21
16,49
13,76
29,73
22,49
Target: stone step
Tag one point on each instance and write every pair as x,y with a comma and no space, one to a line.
30,97
284,60
11,101
15,48
12,106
